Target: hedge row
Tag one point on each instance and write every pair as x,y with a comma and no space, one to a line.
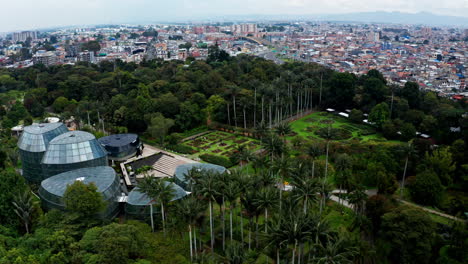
182,149
218,160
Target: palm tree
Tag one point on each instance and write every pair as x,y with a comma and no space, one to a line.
190,209
325,190
335,252
235,253
305,191
259,163
160,191
24,208
266,199
208,190
358,198
273,145
232,192
343,166
242,155
220,198
234,91
283,168
409,151
261,130
314,151
192,176
283,129
252,211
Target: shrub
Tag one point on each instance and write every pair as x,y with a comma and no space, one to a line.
426,188
335,133
183,149
218,160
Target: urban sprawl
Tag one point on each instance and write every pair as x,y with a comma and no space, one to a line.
434,57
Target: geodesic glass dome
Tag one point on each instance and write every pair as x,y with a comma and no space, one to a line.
73,150
32,145
53,189
138,202
182,170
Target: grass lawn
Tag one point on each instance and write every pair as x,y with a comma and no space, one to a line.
221,144
314,125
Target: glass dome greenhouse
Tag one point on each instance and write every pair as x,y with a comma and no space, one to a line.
138,202
121,146
32,145
53,189
182,170
73,150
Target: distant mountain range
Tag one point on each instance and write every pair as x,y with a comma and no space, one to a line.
424,18
400,18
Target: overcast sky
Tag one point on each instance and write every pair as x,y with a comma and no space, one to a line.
30,14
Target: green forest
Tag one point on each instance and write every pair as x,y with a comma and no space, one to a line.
362,193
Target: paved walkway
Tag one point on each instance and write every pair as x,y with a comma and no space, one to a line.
432,211
196,135
373,192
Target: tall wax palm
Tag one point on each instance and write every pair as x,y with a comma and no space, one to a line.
220,198
282,167
408,150
264,178
192,176
234,91
263,91
266,199
244,182
207,189
274,146
343,166
245,101
24,208
305,191
335,251
259,163
232,192
283,129
252,211
291,228
314,151
190,209
358,198
261,130
160,191
325,191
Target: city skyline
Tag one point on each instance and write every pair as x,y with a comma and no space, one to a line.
50,13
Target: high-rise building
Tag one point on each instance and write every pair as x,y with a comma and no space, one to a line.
87,56
24,35
244,28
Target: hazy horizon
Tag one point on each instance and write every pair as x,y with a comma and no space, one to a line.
30,14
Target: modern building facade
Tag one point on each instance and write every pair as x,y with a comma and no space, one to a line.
121,147
52,190
32,146
47,58
73,150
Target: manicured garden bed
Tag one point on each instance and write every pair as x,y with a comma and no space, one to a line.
220,143
317,125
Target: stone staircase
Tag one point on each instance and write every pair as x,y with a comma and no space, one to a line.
165,166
